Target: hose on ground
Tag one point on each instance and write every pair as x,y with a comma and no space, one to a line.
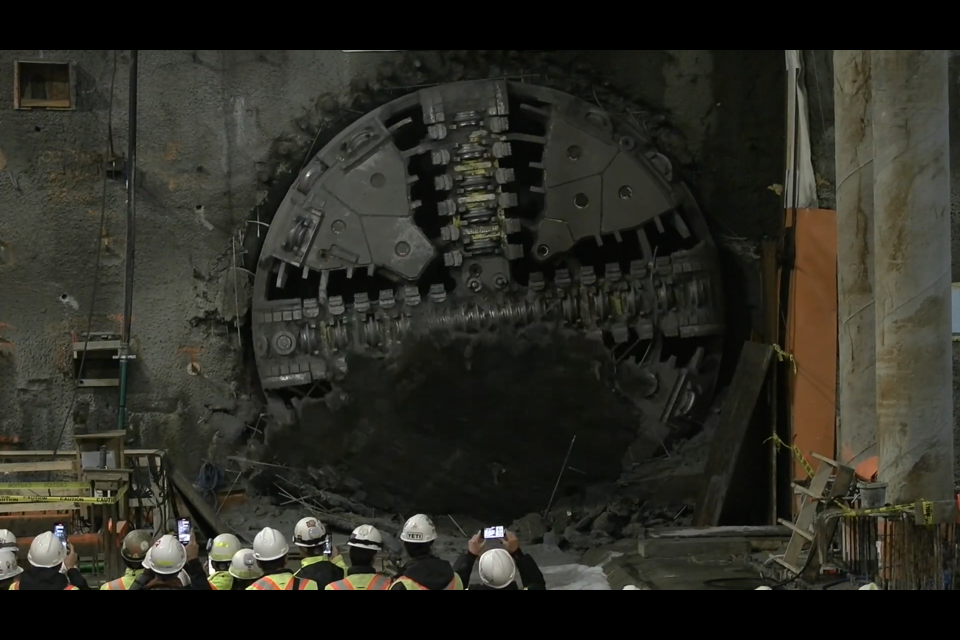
208,480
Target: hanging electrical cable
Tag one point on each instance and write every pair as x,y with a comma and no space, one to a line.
125,355
96,266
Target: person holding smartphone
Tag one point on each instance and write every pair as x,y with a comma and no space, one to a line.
47,556
499,566
321,561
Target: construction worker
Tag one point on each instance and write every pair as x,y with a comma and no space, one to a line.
222,550
244,570
424,571
364,544
134,550
322,562
46,557
9,569
498,568
271,549
7,540
165,561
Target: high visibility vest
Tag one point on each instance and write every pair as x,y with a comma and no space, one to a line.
124,583
412,585
337,562
16,587
282,582
221,581
361,582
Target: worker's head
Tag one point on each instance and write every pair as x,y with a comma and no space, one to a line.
270,549
7,539
418,535
311,536
221,551
497,569
47,551
244,566
9,568
166,557
364,543
134,548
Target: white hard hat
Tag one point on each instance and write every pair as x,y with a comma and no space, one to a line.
46,551
8,565
419,528
167,557
763,589
7,539
224,547
270,545
497,569
366,537
309,532
631,587
244,565
869,587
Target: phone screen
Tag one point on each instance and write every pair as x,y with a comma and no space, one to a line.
60,530
328,547
183,531
493,533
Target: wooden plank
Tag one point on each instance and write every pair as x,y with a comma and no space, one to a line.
37,454
21,467
35,507
738,409
770,278
722,532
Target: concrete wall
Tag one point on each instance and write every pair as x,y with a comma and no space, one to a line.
217,129
819,77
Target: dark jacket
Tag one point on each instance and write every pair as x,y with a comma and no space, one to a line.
432,572
322,572
149,581
35,579
530,573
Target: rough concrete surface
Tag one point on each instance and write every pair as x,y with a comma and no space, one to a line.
220,132
819,78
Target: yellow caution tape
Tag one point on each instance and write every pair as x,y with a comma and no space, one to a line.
54,499
783,356
797,453
41,486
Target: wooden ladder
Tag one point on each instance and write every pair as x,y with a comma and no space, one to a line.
820,491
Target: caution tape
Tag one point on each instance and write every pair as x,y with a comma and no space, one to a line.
70,499
42,486
797,453
783,356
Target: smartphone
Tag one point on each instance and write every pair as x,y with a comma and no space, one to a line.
60,530
328,547
493,533
184,530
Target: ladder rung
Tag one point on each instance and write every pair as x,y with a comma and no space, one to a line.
786,565
797,530
832,463
810,494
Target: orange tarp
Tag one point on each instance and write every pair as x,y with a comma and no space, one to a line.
812,334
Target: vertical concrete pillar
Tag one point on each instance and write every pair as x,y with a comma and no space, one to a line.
912,273
857,433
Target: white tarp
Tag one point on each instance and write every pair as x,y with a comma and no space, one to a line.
800,174
575,577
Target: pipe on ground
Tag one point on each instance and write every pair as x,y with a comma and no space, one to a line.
857,434
912,273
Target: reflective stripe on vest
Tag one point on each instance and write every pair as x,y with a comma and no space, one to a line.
267,583
116,585
454,585
16,587
362,582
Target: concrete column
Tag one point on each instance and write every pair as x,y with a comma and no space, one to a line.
857,435
912,273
